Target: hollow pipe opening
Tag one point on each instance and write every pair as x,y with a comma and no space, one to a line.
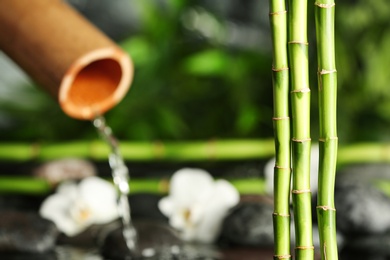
93,85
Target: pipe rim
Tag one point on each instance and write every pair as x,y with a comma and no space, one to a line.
97,107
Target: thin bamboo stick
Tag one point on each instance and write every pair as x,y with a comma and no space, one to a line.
282,170
181,151
327,89
30,185
301,141
142,151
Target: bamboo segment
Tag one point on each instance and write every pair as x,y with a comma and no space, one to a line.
225,150
301,142
79,66
33,185
327,86
282,170
222,150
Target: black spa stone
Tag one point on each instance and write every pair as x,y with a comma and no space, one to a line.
362,209
20,202
363,173
249,224
370,244
157,241
50,255
26,232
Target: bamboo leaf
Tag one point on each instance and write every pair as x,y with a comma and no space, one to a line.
207,63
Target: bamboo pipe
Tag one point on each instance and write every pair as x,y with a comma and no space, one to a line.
85,71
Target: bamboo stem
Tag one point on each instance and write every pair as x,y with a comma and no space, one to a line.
35,186
327,89
181,151
142,151
282,169
301,142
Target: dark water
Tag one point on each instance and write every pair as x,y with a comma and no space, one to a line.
169,253
73,253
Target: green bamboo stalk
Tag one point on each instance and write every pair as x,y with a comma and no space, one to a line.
212,150
282,170
301,141
35,186
218,150
327,89
363,153
24,185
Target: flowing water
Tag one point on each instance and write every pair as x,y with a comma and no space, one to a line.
120,175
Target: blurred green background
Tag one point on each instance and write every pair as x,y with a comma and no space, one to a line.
203,71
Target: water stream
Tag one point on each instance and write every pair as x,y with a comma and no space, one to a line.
120,175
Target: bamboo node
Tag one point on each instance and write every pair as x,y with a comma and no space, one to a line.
282,256
325,251
304,247
298,42
282,168
279,69
320,5
326,208
300,140
323,140
281,118
35,150
280,214
211,149
158,150
300,191
323,72
278,12
301,90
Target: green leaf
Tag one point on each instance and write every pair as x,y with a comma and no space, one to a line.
247,119
171,123
207,63
139,49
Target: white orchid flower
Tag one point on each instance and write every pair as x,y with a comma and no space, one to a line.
74,207
197,205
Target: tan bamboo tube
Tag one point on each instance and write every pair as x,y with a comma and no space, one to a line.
67,56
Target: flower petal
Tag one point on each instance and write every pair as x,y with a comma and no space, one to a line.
224,197
166,206
189,185
68,188
178,221
74,207
56,208
226,194
197,205
101,198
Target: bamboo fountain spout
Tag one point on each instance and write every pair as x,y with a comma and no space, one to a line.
67,56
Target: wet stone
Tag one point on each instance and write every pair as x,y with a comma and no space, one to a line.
362,209
157,241
145,206
26,232
363,173
92,237
57,171
50,255
20,202
249,224
373,245
353,255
